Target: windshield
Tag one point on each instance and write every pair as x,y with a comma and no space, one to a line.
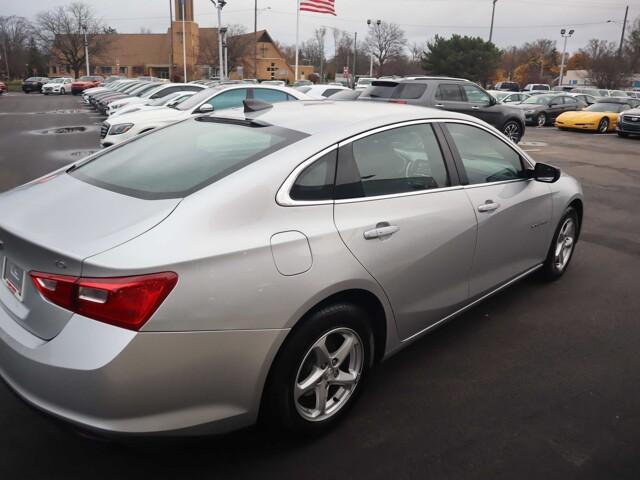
176,161
618,93
500,95
608,107
143,89
85,79
365,81
539,100
32,79
163,100
381,89
57,80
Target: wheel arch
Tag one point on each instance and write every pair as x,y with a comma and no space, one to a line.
577,204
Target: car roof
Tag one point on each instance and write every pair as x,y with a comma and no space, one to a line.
614,100
342,117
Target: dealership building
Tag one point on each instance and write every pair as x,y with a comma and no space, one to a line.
135,54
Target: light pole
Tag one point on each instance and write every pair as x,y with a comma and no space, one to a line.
223,32
86,48
219,4
378,22
355,57
566,36
493,14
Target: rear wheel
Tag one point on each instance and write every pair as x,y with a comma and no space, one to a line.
562,246
62,91
541,119
318,373
603,126
513,131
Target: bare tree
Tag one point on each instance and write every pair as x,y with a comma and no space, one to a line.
632,46
608,69
15,33
386,41
61,31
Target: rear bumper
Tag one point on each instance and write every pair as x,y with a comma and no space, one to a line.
114,381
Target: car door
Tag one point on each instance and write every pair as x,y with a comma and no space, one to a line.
513,211
449,96
572,104
402,213
479,105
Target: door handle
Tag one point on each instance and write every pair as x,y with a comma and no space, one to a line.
475,107
381,230
488,206
439,105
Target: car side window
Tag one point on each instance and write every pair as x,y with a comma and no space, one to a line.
485,157
404,159
316,182
330,91
475,95
449,92
570,100
269,96
228,99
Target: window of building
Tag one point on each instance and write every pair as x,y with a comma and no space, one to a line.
123,71
106,70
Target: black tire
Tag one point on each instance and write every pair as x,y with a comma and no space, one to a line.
62,91
513,130
541,119
550,270
603,126
278,410
623,135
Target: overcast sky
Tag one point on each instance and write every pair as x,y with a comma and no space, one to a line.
517,21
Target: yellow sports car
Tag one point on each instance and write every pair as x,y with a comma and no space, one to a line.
601,117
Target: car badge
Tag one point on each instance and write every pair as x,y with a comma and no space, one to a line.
61,264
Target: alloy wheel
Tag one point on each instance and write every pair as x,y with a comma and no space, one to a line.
512,131
603,127
328,374
564,244
541,120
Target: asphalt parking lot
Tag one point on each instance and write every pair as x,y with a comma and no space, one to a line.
541,381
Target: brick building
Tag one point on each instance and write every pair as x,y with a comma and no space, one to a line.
135,54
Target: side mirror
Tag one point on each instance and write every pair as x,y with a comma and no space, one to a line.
206,108
492,101
545,173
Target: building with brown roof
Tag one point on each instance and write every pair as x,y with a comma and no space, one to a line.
155,54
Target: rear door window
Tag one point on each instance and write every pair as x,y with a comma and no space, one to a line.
269,96
449,92
400,160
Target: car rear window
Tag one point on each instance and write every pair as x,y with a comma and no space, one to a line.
406,91
178,160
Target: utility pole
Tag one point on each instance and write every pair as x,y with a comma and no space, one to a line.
223,31
355,57
171,41
624,27
493,14
566,36
184,44
86,49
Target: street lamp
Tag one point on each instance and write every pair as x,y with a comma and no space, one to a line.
86,47
566,36
219,4
369,22
223,34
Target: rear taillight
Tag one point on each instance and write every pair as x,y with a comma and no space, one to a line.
126,302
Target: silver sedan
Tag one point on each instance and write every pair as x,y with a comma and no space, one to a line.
255,264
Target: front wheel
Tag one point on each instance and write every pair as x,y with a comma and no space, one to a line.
62,91
603,126
562,246
541,119
318,373
513,131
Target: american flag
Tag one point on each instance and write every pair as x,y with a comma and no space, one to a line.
318,6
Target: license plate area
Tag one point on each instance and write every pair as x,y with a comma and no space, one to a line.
13,277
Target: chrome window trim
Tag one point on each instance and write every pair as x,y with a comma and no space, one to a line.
283,198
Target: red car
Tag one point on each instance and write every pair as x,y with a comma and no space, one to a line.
3,87
83,83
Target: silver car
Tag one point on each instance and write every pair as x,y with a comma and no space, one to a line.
257,263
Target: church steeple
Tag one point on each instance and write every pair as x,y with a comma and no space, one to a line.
188,10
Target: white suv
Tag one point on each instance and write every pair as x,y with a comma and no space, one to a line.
127,126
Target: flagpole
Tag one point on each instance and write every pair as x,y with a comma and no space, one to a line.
297,38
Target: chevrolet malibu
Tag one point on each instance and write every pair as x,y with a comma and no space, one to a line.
255,264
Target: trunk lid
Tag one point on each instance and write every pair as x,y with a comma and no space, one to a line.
52,225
